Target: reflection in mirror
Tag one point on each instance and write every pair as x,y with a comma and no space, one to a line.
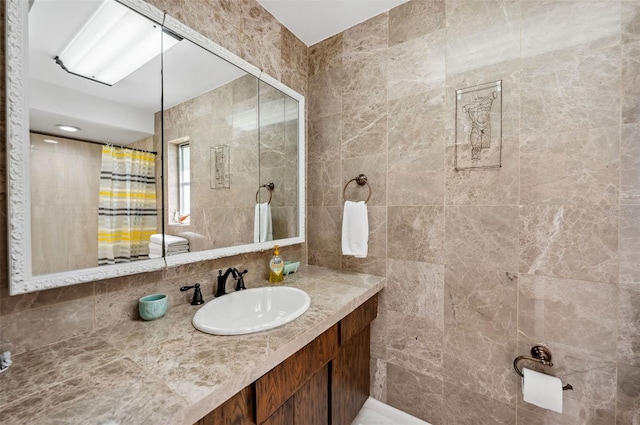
278,163
92,204
220,124
218,148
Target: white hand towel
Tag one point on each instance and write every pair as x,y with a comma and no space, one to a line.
355,229
169,240
262,224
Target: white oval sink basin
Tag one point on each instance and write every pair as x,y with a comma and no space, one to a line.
251,310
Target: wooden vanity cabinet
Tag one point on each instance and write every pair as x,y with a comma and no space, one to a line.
324,383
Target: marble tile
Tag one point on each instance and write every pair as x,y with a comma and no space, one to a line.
629,243
325,259
294,61
36,328
366,37
326,189
578,167
491,186
326,55
325,138
90,397
490,374
415,19
465,407
416,66
364,131
378,372
416,178
629,164
375,168
631,83
629,324
628,401
416,122
47,366
483,236
568,27
569,241
592,400
225,14
416,233
364,79
371,265
481,33
415,289
569,313
261,38
559,94
416,394
43,298
471,295
630,21
324,228
325,93
411,342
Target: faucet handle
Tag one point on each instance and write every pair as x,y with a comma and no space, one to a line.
197,294
240,281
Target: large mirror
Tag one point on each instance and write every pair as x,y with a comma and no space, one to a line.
188,154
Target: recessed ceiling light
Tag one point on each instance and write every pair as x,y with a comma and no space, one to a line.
68,128
50,141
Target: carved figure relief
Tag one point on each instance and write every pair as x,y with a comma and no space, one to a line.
479,126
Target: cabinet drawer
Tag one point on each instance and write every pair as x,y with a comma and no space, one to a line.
358,319
280,383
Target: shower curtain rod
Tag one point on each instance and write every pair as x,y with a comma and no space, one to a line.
94,143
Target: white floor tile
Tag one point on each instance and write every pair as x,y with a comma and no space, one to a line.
375,413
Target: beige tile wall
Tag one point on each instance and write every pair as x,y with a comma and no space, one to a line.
482,264
41,318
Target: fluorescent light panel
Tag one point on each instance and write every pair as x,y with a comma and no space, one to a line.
113,43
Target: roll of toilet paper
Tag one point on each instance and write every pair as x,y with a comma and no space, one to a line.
542,390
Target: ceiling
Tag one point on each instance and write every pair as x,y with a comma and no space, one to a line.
315,20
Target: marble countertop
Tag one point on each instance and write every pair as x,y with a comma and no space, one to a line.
165,371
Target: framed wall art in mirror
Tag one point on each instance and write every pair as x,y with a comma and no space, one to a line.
72,215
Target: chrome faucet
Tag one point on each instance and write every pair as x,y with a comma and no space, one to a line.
222,280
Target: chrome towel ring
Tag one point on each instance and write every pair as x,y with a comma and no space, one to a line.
269,186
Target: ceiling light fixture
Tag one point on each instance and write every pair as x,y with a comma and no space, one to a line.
69,128
113,43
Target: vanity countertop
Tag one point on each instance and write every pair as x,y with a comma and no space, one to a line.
165,371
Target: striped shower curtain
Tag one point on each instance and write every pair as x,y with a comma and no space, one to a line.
127,215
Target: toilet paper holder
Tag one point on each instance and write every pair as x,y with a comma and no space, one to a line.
539,354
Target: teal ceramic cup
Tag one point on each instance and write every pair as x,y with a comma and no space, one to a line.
153,307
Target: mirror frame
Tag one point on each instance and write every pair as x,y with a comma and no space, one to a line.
21,279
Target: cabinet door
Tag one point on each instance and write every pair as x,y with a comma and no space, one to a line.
350,378
308,406
238,410
285,415
312,400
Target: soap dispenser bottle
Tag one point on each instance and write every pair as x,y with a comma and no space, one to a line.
276,267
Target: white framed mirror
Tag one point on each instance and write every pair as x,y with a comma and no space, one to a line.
57,244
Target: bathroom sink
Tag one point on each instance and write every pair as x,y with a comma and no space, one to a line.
251,310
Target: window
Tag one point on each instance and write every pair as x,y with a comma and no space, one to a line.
184,183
